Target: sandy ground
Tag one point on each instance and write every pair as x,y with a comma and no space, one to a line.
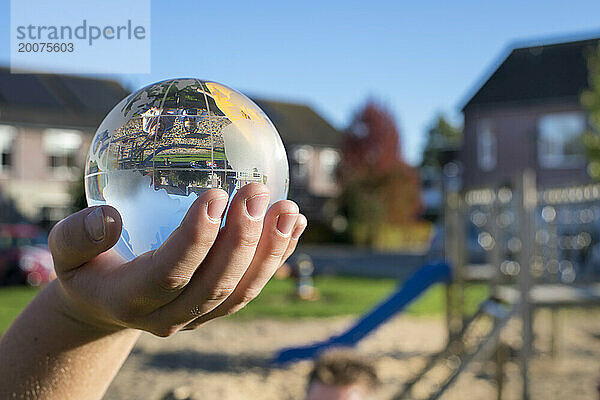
229,359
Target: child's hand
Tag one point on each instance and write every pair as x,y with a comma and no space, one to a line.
198,274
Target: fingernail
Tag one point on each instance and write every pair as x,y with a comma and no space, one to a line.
94,224
285,223
299,229
257,205
215,208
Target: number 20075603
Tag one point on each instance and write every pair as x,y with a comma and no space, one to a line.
44,47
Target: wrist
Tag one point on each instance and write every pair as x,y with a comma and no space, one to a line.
86,317
57,352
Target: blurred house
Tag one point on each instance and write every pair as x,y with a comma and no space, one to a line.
527,114
47,123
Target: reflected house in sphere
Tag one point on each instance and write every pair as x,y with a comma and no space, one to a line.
527,114
47,123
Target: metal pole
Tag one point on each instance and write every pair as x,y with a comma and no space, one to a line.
526,189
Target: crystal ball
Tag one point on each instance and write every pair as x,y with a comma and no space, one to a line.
164,145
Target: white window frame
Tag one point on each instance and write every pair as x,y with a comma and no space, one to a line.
65,143
8,133
329,160
554,130
302,156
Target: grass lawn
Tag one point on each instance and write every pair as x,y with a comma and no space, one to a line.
339,296
348,296
12,300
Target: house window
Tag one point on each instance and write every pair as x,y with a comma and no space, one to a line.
486,147
560,140
329,159
7,137
301,156
61,147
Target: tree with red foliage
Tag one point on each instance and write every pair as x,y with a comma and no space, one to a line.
378,186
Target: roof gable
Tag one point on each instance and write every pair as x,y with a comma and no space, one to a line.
64,100
538,73
54,99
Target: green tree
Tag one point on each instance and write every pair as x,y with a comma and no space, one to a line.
441,136
590,99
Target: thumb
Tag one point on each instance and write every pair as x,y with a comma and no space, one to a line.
84,235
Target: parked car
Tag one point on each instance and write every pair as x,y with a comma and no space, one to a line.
24,255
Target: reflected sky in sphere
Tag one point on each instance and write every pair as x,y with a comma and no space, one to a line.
164,145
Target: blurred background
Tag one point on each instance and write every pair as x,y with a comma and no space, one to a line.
460,137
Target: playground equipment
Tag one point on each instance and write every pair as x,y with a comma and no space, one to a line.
476,342
420,281
542,250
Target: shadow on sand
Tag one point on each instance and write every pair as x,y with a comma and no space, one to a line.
206,361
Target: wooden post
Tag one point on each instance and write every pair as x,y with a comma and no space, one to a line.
554,252
495,256
527,192
502,356
555,338
495,259
454,251
461,263
454,231
449,253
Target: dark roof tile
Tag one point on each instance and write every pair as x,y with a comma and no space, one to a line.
54,99
299,124
64,100
538,73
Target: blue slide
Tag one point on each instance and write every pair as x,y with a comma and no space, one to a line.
410,290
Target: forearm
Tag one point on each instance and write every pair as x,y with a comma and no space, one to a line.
49,354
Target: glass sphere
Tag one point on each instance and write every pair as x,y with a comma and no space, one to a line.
164,145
